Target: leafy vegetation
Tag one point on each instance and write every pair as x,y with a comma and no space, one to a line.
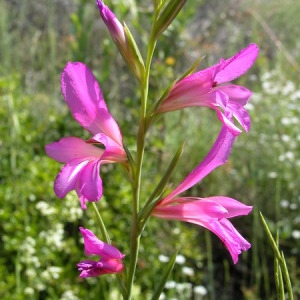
40,243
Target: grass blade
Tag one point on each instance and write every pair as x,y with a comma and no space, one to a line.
159,289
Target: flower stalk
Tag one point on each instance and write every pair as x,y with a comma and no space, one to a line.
136,187
83,158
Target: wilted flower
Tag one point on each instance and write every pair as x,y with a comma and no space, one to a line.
83,159
212,212
110,261
210,88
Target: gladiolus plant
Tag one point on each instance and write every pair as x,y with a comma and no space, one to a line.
82,158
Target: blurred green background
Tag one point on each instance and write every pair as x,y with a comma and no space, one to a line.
40,243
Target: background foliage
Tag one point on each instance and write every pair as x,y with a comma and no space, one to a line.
40,244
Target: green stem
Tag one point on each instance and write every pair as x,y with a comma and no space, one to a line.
100,222
136,186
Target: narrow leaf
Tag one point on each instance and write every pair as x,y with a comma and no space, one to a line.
277,273
286,277
163,183
192,68
271,239
278,280
159,190
166,17
281,260
162,282
166,92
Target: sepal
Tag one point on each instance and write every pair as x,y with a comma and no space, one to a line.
133,56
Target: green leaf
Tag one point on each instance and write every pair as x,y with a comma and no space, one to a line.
282,269
192,68
159,289
155,106
159,190
271,239
166,17
286,277
278,277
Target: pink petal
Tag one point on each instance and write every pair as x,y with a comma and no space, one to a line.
190,209
67,178
90,268
190,91
94,246
90,183
236,93
230,109
70,148
81,198
211,214
233,207
85,100
241,115
233,240
113,151
237,65
227,121
217,156
111,266
227,233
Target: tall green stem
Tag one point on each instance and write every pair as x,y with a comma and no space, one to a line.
136,187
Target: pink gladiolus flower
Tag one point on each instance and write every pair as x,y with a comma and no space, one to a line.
82,158
110,261
213,212
211,88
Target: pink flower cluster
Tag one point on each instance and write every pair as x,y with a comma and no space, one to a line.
212,212
83,158
210,88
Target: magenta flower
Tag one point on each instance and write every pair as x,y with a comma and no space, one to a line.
213,212
83,158
210,88
110,261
